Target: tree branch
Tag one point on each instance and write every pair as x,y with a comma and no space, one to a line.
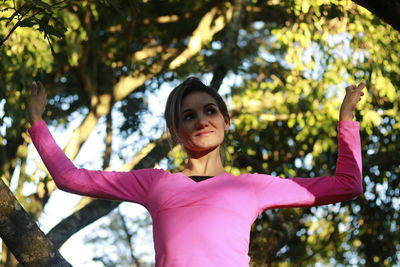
204,33
129,237
80,219
19,232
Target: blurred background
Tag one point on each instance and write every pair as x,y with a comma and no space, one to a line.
282,67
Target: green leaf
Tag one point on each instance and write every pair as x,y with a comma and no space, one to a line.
43,5
48,29
27,23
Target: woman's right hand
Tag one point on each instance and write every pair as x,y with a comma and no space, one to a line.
352,97
37,101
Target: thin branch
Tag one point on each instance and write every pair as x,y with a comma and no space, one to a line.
129,237
205,31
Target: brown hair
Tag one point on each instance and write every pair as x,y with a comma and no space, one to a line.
173,106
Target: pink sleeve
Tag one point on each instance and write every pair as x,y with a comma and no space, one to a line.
128,186
276,192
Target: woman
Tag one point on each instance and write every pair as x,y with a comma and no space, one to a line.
202,216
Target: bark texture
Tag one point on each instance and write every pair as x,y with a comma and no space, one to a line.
23,237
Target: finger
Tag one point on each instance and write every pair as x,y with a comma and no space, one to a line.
34,88
361,85
42,90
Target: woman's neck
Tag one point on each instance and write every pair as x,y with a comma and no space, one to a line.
204,164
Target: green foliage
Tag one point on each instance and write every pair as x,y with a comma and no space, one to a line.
291,63
33,14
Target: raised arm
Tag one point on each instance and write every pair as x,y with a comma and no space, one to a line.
131,186
275,192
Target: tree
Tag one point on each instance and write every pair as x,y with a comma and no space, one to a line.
13,220
292,57
386,10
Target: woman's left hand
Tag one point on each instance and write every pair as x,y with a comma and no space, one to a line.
353,95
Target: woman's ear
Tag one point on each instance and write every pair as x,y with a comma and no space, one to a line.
227,123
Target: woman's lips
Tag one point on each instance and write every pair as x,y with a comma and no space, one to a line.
204,133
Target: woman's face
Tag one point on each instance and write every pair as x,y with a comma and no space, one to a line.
201,126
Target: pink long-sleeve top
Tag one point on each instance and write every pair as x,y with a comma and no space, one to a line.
207,223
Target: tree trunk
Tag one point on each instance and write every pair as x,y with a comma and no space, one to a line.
23,237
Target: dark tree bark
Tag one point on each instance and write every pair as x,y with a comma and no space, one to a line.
23,237
387,10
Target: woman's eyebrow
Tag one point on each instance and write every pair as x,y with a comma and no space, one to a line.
209,104
205,106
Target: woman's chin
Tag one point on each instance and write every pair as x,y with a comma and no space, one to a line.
204,149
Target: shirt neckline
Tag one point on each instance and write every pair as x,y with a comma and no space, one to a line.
199,178
204,180
201,181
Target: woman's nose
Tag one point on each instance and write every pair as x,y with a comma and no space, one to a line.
202,121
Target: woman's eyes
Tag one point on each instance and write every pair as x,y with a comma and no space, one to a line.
191,116
211,111
188,117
